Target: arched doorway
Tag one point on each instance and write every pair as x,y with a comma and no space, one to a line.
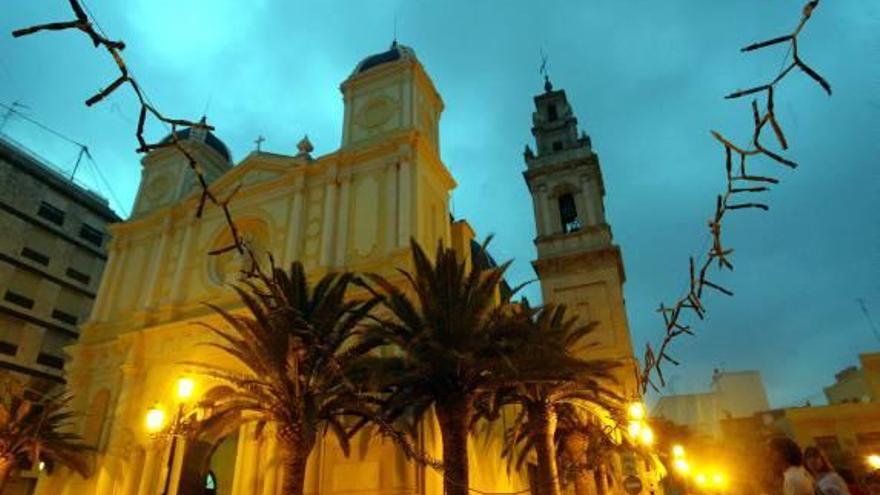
210,455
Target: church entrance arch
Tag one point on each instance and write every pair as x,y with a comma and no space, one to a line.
208,466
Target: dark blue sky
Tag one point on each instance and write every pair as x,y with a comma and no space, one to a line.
646,80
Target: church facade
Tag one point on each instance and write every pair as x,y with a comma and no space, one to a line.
353,209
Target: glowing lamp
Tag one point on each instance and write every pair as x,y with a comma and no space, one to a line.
682,466
185,388
678,451
874,461
701,479
634,428
717,479
636,411
646,435
41,466
155,419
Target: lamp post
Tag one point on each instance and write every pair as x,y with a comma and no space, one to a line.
180,424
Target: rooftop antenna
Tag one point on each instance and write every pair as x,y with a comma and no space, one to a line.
83,150
864,308
11,109
548,86
208,103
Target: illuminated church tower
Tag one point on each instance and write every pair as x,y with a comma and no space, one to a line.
578,263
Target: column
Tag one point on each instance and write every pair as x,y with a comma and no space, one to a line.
269,459
112,281
150,289
149,473
294,228
589,200
132,474
176,467
390,207
183,258
109,270
541,227
342,222
246,461
330,191
551,226
404,205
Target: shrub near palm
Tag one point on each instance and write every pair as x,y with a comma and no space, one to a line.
35,428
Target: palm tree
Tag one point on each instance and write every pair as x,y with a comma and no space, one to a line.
297,344
548,372
35,428
450,328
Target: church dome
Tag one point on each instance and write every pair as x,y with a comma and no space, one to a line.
393,54
207,137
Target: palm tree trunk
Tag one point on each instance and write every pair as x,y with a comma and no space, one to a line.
6,465
576,444
601,477
295,450
543,419
454,417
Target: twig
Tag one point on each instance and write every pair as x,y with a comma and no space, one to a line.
739,181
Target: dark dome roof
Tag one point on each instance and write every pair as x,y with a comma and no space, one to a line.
393,54
210,139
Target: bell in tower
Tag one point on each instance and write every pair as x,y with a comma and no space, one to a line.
578,263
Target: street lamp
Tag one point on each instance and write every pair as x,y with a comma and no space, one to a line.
682,466
646,435
636,411
180,425
678,451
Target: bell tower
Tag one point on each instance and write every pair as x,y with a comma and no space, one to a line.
578,263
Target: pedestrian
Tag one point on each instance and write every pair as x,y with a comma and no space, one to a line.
828,482
787,459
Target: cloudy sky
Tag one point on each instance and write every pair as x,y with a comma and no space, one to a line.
646,80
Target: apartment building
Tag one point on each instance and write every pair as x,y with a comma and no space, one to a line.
53,248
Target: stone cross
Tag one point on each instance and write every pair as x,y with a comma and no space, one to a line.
259,141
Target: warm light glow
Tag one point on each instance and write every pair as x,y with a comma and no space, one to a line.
637,411
677,451
41,466
700,478
155,419
185,388
646,435
682,466
634,428
717,479
874,461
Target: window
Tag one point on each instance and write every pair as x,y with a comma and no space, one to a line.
16,298
210,483
68,306
51,213
8,348
568,214
552,114
50,360
91,234
35,256
63,316
78,276
557,145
